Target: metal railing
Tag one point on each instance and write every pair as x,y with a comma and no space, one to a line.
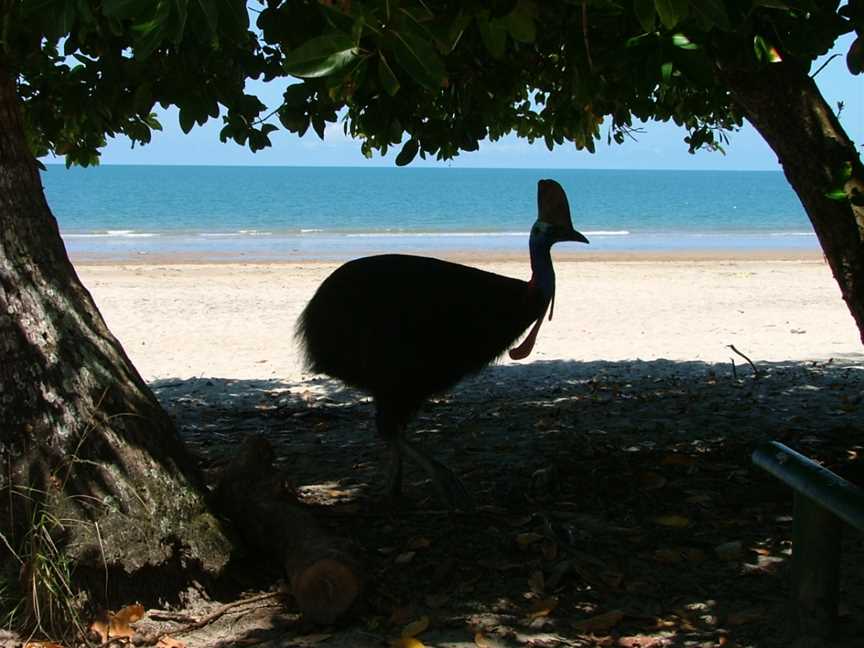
822,501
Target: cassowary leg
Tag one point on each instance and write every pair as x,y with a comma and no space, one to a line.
453,493
391,431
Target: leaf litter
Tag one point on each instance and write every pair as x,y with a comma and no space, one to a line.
616,503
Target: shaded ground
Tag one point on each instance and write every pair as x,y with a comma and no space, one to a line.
617,504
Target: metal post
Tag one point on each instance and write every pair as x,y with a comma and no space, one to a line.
816,534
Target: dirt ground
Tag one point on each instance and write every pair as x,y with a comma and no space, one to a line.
617,504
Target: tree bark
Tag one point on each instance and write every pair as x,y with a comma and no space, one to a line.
87,452
785,106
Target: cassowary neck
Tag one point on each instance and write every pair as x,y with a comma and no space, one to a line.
542,273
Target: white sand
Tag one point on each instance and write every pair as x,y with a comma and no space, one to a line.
237,321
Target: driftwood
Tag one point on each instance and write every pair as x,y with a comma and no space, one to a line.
324,575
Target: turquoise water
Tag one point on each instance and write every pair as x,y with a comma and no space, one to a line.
288,212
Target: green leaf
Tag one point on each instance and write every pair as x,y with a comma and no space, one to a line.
671,11
493,33
418,58
408,152
771,4
153,32
456,29
638,40
321,56
680,40
855,57
765,52
385,74
211,15
61,19
187,119
339,20
180,20
520,22
714,13
125,9
319,126
666,9
645,14
143,100
838,195
666,71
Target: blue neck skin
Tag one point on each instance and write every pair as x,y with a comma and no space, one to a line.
540,246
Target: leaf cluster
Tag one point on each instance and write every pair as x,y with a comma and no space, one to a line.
434,77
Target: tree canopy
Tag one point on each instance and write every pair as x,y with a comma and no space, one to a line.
434,77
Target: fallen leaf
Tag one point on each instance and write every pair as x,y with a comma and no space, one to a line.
42,644
549,549
536,582
405,558
400,615
100,625
649,480
676,521
543,607
676,459
481,641
419,542
169,642
528,538
120,626
667,556
437,600
520,521
744,617
603,621
409,642
643,641
694,555
729,550
415,627
310,640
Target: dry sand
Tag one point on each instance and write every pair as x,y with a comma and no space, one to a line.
183,320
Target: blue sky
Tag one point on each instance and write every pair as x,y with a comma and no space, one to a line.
661,146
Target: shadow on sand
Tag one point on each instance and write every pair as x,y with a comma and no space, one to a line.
622,489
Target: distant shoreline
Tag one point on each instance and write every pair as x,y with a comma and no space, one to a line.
470,258
254,246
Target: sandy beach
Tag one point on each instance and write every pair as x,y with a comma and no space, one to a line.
233,320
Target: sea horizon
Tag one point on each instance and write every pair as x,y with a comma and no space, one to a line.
287,212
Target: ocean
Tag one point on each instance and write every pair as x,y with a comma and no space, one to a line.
296,213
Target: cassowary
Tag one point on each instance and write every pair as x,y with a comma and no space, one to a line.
403,328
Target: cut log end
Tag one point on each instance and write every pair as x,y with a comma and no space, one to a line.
325,590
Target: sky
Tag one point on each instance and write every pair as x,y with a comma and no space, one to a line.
661,146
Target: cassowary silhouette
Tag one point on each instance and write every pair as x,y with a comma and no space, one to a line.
403,328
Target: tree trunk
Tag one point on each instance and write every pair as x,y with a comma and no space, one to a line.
89,457
786,107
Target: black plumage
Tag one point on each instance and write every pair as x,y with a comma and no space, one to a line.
403,328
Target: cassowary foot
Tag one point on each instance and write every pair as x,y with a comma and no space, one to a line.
452,492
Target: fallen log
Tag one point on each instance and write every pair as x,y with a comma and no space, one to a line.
322,570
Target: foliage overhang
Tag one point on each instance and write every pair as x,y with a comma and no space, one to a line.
436,76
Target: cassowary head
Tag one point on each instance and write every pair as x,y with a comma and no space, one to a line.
553,213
